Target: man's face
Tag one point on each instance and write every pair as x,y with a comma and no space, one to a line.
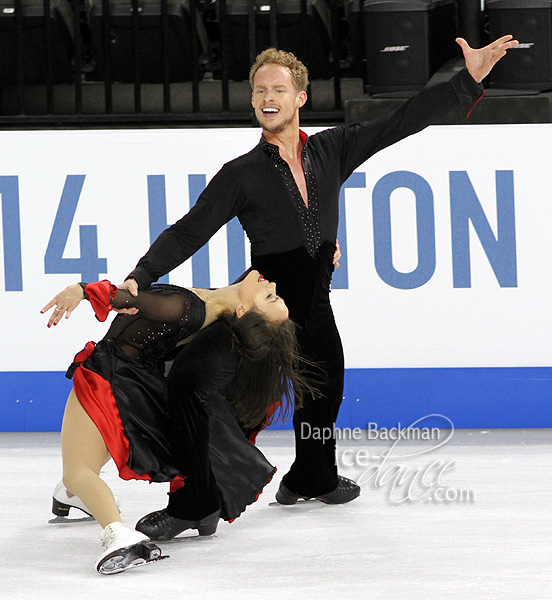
275,99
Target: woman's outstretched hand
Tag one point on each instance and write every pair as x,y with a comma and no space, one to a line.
65,303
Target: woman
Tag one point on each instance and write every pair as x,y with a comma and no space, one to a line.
243,363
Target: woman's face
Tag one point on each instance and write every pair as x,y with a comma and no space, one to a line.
256,292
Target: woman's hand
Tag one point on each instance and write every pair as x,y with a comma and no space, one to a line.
65,302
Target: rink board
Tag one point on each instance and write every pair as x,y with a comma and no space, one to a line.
386,398
442,296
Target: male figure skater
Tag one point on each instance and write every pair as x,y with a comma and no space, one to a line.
285,193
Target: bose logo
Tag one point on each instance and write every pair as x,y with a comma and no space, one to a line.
523,46
394,48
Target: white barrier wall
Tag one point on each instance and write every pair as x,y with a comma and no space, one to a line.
445,239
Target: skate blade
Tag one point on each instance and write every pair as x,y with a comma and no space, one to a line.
130,557
67,520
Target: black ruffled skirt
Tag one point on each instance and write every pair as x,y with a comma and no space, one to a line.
127,402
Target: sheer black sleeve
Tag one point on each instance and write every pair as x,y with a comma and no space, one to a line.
166,308
166,315
167,304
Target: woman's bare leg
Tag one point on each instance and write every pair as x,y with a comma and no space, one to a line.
84,453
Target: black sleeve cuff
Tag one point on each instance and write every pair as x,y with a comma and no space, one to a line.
83,285
467,90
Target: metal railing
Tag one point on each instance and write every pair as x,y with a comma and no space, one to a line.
88,92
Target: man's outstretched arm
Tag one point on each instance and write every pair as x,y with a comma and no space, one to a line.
357,142
217,204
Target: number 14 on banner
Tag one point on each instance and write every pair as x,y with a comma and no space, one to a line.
88,265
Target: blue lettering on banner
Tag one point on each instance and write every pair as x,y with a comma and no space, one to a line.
89,265
201,276
157,211
465,207
425,227
11,230
500,250
235,241
340,279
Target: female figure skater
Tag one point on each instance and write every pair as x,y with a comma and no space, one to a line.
243,363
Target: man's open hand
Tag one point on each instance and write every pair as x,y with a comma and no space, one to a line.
479,62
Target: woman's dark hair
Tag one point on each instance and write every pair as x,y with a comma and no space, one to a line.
270,369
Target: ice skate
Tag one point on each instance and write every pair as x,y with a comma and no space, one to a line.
161,526
125,549
63,500
345,491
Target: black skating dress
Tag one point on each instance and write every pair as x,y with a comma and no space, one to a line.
120,382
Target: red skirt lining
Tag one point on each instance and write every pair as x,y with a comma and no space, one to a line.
96,397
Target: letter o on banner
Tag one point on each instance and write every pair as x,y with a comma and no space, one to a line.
425,229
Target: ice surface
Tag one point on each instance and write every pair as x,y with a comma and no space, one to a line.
496,544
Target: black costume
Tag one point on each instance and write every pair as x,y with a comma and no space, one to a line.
120,383
293,245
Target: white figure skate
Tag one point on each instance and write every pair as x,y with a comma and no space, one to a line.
63,500
125,549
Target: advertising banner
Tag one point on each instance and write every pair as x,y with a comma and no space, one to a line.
442,296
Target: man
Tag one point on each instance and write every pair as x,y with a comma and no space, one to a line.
285,194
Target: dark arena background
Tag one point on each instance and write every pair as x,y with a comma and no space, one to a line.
114,116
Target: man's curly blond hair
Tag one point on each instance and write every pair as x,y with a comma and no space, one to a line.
271,56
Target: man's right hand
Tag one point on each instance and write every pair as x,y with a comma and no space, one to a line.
132,286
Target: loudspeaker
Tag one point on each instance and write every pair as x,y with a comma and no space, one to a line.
32,42
402,41
529,65
308,39
149,40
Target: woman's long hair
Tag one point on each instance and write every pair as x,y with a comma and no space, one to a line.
270,371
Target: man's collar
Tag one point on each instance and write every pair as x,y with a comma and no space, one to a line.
273,150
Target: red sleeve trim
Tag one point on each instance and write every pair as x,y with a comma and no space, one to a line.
101,295
475,104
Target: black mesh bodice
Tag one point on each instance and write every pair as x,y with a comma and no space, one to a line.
168,314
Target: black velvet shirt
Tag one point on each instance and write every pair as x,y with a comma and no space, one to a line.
259,188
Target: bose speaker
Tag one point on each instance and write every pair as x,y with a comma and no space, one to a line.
402,41
529,65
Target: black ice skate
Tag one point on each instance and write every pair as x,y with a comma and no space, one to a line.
160,526
345,491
